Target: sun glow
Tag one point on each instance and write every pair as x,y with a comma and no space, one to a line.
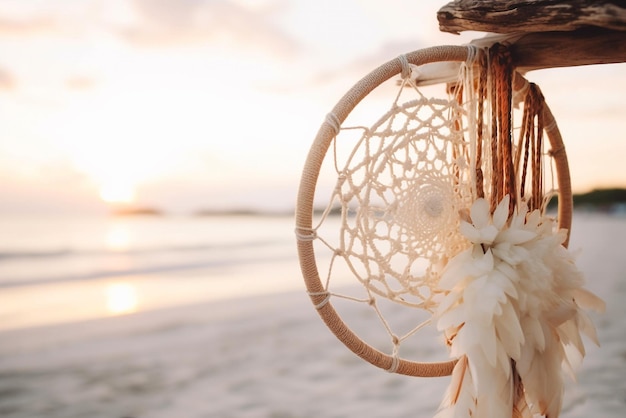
117,192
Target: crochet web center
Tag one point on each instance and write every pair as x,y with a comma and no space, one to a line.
400,192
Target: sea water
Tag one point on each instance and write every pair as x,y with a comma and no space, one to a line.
58,269
40,250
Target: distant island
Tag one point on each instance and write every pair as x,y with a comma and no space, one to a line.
136,211
153,211
241,212
601,197
611,200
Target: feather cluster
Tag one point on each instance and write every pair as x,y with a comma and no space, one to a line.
513,315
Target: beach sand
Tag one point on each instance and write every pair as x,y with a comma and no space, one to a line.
267,355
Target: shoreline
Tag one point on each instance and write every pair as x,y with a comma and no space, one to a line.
59,302
16,340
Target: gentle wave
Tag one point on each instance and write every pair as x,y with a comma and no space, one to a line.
25,268
163,268
56,253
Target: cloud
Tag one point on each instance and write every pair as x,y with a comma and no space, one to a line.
33,25
79,83
7,80
158,23
345,72
164,22
362,65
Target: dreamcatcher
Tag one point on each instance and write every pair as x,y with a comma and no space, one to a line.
439,204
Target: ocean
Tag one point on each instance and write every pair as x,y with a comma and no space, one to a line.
40,250
68,268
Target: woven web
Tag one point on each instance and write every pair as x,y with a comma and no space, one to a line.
401,191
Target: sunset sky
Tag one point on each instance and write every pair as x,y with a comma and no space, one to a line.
189,104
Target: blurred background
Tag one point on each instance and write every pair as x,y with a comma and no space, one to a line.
202,104
150,153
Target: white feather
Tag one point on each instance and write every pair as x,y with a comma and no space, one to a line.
513,311
510,333
501,214
587,300
459,399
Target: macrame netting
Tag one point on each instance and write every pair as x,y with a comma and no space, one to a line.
382,198
401,191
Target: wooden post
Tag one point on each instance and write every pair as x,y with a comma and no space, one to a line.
546,33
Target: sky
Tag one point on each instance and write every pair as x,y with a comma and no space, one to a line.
192,104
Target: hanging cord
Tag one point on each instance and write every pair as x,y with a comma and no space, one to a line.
496,178
527,135
482,95
501,83
538,200
531,144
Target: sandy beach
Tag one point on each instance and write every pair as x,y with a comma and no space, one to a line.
269,355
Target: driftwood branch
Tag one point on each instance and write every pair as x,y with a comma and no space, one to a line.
539,50
546,33
508,16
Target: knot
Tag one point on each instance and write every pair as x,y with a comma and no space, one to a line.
550,126
334,122
326,299
395,360
472,54
406,67
305,234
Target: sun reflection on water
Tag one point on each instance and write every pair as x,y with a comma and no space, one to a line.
121,298
117,238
